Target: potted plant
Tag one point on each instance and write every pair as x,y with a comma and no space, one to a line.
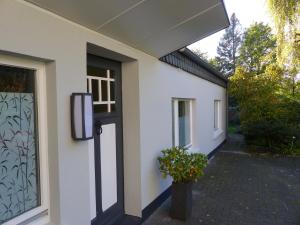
185,168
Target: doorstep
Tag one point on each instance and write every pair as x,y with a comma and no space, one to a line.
129,220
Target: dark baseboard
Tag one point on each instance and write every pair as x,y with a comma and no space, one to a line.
129,220
125,220
147,211
94,222
213,152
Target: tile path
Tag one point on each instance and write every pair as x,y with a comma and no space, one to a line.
242,189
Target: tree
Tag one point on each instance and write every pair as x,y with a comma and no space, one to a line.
258,48
202,55
286,15
228,47
213,62
268,117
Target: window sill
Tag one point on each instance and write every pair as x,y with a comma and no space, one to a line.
43,220
35,216
217,133
188,147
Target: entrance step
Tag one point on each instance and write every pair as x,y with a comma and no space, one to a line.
129,220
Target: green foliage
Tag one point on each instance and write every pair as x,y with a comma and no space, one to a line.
213,62
182,166
202,55
268,116
258,48
264,86
286,15
233,129
268,95
276,136
227,49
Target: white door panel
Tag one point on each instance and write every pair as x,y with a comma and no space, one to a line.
108,166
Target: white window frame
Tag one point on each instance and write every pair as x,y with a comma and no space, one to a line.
217,114
108,79
176,121
40,214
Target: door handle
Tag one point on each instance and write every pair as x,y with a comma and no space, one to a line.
98,127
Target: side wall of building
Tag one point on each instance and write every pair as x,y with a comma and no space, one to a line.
148,86
158,86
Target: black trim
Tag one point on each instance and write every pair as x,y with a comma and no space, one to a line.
147,211
191,55
115,213
125,220
94,221
129,220
213,152
188,61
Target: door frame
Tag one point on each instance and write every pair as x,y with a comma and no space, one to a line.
117,210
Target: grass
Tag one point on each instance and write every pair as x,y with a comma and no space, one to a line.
296,152
233,129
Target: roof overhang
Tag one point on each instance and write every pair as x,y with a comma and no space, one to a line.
156,27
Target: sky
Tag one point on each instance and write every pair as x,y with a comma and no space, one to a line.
247,11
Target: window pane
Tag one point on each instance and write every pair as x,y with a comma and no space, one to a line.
16,80
95,90
104,90
19,177
184,123
112,90
216,114
113,107
95,71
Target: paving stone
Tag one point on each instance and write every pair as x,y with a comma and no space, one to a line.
242,189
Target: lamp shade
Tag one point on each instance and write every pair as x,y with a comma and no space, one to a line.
82,116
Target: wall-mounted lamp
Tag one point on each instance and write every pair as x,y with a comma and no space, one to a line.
82,116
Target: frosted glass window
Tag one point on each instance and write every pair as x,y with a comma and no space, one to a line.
182,122
19,161
217,114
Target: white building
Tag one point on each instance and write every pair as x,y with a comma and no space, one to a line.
147,96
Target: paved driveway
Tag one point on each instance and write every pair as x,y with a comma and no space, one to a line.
242,189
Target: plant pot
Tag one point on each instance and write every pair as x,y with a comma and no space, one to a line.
181,201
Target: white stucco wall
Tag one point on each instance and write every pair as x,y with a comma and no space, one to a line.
148,86
159,83
28,31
